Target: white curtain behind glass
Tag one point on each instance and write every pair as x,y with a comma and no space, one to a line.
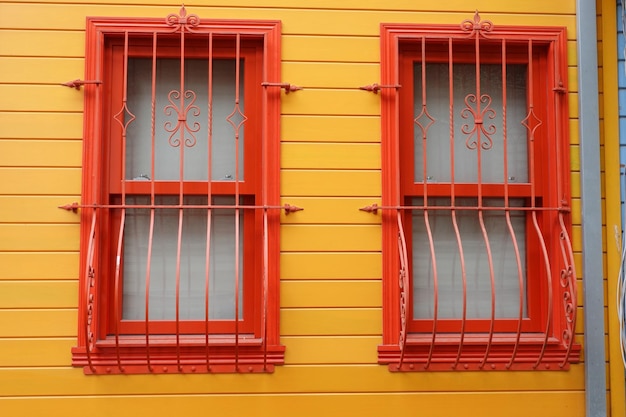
466,168
449,271
167,157
438,135
192,262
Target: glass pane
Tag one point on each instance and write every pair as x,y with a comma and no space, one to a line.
448,261
192,261
167,129
437,165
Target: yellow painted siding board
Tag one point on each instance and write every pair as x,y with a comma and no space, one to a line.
38,323
41,125
297,22
329,156
330,49
330,129
329,211
308,183
332,293
576,211
40,181
38,265
288,379
328,322
38,294
553,404
42,43
328,238
574,157
37,209
35,352
572,79
29,70
331,350
48,98
39,237
330,75
573,104
38,153
331,102
330,265
573,131
572,50
536,6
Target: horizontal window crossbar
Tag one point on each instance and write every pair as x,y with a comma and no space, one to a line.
75,206
375,207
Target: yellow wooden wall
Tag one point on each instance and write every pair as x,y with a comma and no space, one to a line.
330,259
609,137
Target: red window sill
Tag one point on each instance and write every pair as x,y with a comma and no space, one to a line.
129,355
477,354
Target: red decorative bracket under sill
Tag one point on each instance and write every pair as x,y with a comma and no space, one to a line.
78,83
286,86
375,88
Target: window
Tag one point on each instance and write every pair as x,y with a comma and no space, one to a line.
180,209
478,264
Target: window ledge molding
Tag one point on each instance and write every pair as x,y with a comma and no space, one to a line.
477,354
128,358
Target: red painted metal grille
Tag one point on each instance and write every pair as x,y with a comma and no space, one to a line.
177,256
477,182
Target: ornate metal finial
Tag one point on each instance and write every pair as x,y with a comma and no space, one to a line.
476,26
182,21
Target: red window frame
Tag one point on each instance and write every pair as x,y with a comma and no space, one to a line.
545,339
250,343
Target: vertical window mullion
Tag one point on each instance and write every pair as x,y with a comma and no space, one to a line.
425,212
264,197
507,208
533,198
182,114
152,195
237,202
478,126
453,212
207,276
121,118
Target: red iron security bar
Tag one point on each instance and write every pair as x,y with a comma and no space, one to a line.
536,333
180,345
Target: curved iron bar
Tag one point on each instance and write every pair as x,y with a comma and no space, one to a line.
464,278
89,283
404,287
546,262
265,286
433,259
178,266
148,271
520,280
207,276
570,298
116,297
492,279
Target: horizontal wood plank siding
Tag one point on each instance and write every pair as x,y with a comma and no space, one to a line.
330,262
